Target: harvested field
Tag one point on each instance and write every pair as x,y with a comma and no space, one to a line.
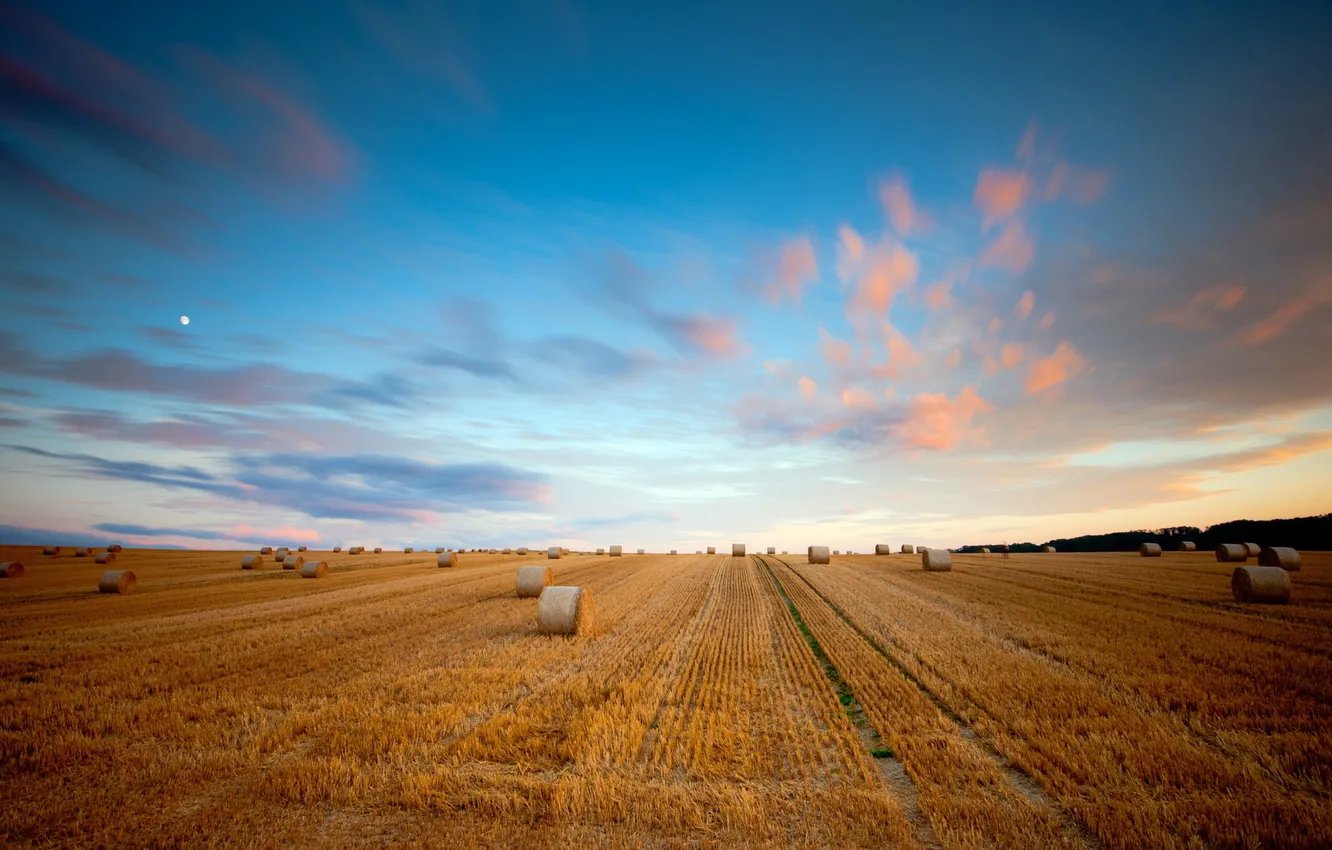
1044,700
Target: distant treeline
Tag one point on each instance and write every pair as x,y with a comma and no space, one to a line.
1309,533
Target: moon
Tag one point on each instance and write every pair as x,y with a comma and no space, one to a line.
184,320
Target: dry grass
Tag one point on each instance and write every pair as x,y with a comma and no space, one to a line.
1039,701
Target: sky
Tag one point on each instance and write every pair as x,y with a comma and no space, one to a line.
667,275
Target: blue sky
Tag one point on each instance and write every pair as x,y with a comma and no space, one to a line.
664,275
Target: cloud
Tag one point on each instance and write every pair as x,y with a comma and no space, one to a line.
701,333
1277,322
17,535
11,422
935,421
1047,321
1025,305
850,251
385,389
808,388
793,268
147,531
834,351
999,194
1045,372
423,40
902,354
1013,250
891,269
859,399
169,337
895,195
591,357
639,518
1200,311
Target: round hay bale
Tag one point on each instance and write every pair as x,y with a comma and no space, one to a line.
302,548
1150,550
1049,549
737,550
985,550
252,562
601,551
117,581
908,549
267,550
314,569
616,551
672,551
936,560
712,550
641,552
699,552
337,549
1269,585
1253,549
51,550
564,611
837,551
882,549
554,552
522,550
1228,552
817,555
293,562
772,550
783,551
407,550
115,547
446,559
106,558
1188,546
11,569
439,550
532,580
1280,556
379,550
506,552
83,552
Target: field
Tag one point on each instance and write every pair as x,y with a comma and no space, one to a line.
1036,701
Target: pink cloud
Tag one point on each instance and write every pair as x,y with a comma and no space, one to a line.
858,399
934,421
796,269
953,359
1000,193
1011,355
1199,313
1048,320
835,352
1013,249
895,196
1045,372
286,532
1026,149
939,295
1280,320
717,337
996,324
807,387
1025,304
902,354
892,268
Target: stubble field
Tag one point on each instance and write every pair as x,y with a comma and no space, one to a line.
1036,701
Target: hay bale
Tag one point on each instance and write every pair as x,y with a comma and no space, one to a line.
908,549
1228,552
293,562
1269,585
407,550
737,550
837,551
1049,549
337,549
252,562
672,551
564,611
554,552
1280,556
521,550
11,569
446,559
51,550
302,548
439,550
601,551
783,551
314,569
882,549
532,580
772,550
698,552
1188,546
83,552
985,550
379,550
936,560
817,555
712,550
616,551
266,550
117,581
1150,550
106,558
1254,549
115,547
